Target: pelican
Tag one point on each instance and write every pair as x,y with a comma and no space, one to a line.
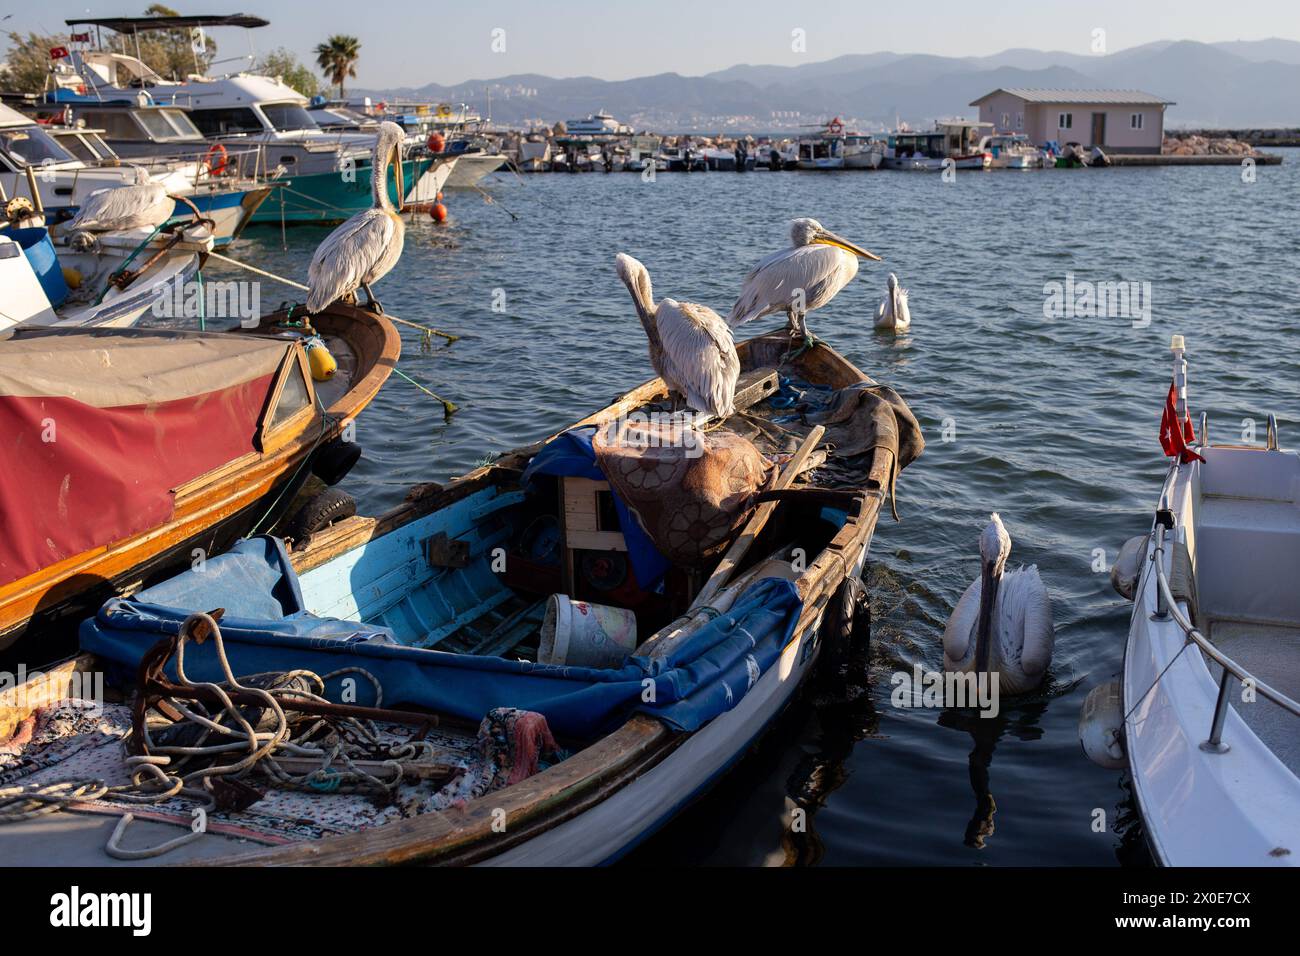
143,203
1003,623
892,312
365,248
799,279
690,345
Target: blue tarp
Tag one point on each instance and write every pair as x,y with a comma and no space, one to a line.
570,455
706,676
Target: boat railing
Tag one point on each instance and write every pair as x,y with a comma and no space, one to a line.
1167,608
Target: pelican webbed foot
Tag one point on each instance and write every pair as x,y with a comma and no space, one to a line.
371,302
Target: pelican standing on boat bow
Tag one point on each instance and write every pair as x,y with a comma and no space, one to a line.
142,204
1003,623
798,280
691,347
365,248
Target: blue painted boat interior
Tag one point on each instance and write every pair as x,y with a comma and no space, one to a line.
390,581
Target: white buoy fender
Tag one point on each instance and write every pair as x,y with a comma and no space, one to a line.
1101,726
1127,569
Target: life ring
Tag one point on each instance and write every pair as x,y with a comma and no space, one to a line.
221,167
835,126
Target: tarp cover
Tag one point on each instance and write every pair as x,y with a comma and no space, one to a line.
102,425
570,455
707,675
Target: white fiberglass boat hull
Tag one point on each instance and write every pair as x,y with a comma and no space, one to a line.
472,167
1239,807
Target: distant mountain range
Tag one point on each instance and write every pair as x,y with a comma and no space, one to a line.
1231,84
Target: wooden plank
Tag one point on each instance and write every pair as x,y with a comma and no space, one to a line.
596,540
736,553
754,386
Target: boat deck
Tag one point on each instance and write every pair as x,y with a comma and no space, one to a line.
1272,652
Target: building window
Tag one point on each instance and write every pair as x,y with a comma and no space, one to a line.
1006,120
1135,121
1065,121
1020,121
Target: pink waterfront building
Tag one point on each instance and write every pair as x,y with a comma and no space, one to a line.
1119,121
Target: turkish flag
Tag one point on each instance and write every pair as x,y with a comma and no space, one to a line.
1175,436
58,52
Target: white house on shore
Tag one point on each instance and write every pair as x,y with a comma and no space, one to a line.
1119,121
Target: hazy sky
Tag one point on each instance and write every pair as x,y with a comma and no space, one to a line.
448,41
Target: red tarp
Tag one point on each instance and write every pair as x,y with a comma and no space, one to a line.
101,427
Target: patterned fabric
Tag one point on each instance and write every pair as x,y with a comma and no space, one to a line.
690,491
512,745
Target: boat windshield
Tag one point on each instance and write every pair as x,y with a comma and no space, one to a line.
167,125
288,116
31,146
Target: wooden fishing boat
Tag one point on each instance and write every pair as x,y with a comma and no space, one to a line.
131,448
442,599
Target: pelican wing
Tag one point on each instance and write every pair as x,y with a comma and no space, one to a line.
1024,616
124,207
958,643
819,270
699,355
348,256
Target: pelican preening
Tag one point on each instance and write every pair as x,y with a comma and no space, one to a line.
1003,623
798,280
144,203
365,248
690,345
892,312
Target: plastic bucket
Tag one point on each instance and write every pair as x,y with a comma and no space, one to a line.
40,254
580,634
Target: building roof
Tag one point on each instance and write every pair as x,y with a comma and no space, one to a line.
1034,95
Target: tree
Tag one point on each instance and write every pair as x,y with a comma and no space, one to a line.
282,63
337,58
27,64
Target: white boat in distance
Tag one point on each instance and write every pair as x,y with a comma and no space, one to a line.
1011,151
1208,710
599,123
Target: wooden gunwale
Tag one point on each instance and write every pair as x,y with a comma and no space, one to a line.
233,487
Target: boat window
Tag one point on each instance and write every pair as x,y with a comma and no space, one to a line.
99,146
79,148
294,397
31,145
116,124
158,125
224,120
286,116
181,123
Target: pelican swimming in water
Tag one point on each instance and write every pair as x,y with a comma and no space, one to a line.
1003,623
365,248
143,203
892,312
690,345
799,279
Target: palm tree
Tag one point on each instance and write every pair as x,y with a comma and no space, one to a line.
337,58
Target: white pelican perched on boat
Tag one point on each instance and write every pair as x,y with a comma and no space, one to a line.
691,347
1003,623
365,248
144,203
799,279
892,313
